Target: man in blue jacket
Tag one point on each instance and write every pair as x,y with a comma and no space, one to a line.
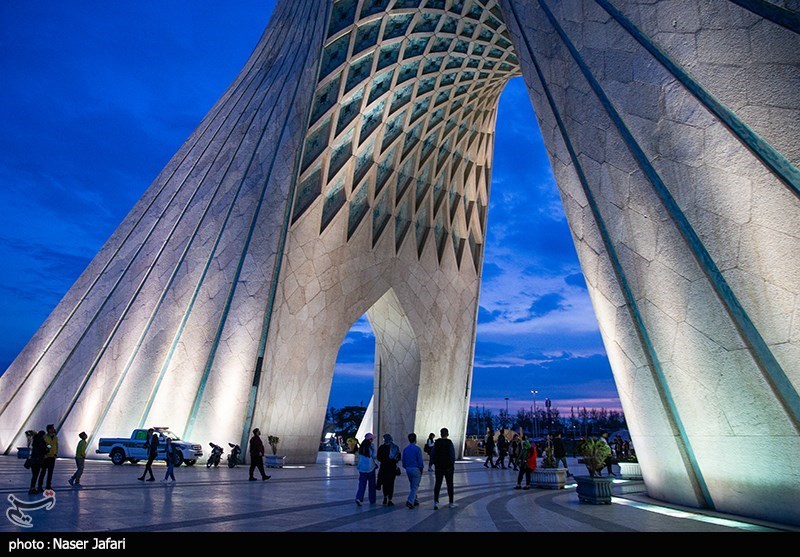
414,465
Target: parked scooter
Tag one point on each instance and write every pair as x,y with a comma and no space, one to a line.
215,456
234,457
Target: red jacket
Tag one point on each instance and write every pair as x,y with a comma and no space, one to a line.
532,455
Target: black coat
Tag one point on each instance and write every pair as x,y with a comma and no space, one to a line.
558,448
388,464
256,447
152,447
502,444
38,449
443,455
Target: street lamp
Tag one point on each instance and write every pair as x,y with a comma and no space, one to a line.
506,405
534,392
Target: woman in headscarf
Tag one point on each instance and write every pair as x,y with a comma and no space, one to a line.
366,470
38,450
388,457
526,462
429,449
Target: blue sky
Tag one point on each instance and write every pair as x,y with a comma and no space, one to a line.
97,96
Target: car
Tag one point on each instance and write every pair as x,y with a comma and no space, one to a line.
132,449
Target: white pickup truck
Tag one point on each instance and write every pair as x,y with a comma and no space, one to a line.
122,449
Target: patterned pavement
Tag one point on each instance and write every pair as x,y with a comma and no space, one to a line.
319,500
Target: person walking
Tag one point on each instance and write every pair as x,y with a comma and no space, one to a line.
366,470
38,450
444,462
488,445
502,449
526,463
414,465
169,457
513,451
428,448
80,460
151,446
560,452
257,456
49,463
388,458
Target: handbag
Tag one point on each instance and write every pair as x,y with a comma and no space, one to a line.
396,470
27,464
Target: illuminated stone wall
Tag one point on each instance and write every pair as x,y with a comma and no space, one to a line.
672,129
347,170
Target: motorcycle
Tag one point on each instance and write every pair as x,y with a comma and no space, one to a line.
234,457
215,456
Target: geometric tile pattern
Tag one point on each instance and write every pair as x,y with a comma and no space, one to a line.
402,123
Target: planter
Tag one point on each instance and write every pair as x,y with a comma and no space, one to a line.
549,478
23,452
274,461
351,459
596,491
630,470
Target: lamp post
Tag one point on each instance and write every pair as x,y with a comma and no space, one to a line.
534,392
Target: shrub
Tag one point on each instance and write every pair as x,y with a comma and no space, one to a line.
594,452
273,443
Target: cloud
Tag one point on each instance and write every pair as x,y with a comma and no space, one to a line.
552,301
577,280
563,378
364,370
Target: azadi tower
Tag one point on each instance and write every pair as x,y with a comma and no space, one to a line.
347,170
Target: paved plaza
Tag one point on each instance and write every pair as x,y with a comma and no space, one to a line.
320,499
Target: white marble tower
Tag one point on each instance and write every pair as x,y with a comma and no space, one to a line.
347,170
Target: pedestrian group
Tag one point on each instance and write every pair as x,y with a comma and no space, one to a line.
378,467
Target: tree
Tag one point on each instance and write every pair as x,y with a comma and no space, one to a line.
330,421
346,420
524,420
503,418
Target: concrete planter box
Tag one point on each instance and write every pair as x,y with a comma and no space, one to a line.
630,470
351,459
595,490
549,478
274,461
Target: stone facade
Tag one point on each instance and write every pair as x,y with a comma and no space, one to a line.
671,129
347,170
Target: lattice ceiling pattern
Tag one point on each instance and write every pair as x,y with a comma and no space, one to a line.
402,125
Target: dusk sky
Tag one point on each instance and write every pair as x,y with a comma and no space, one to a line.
97,96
